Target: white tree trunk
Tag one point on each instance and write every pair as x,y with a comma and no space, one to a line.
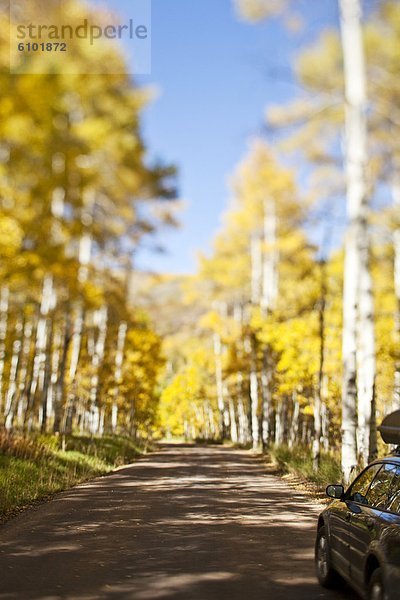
12,384
349,356
55,363
316,447
319,403
255,426
232,419
100,320
294,426
396,245
59,396
219,381
211,421
23,375
269,296
48,301
85,251
254,393
356,261
325,426
256,255
102,419
243,421
46,388
279,424
84,258
243,433
366,369
119,358
266,385
4,300
76,341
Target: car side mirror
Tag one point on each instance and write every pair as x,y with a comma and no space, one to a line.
335,491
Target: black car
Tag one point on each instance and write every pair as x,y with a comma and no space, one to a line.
358,535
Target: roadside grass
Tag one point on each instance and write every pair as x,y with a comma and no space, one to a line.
113,450
298,462
202,441
33,469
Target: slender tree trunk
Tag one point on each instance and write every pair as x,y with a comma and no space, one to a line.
270,273
356,260
4,301
211,420
205,425
256,252
255,425
131,419
243,434
102,418
84,257
27,399
55,364
366,370
85,250
254,391
279,424
266,388
219,383
396,245
272,422
294,426
41,332
325,424
23,374
59,397
318,400
269,296
316,446
97,360
12,384
232,419
349,349
76,341
243,421
119,358
47,378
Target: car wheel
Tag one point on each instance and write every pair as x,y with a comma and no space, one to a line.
376,589
325,573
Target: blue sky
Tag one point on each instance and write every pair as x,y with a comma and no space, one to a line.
214,76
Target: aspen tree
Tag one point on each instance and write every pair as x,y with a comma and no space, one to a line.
358,354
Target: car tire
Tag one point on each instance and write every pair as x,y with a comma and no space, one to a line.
376,588
326,575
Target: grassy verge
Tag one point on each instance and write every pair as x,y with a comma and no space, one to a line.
298,463
34,469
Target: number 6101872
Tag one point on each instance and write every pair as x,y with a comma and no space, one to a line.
42,47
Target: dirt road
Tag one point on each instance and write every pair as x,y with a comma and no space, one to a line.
184,523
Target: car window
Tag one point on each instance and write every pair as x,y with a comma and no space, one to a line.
394,495
359,489
378,493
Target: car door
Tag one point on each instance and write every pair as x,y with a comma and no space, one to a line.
365,519
339,537
390,539
339,521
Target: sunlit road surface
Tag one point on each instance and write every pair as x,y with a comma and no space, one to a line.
184,523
